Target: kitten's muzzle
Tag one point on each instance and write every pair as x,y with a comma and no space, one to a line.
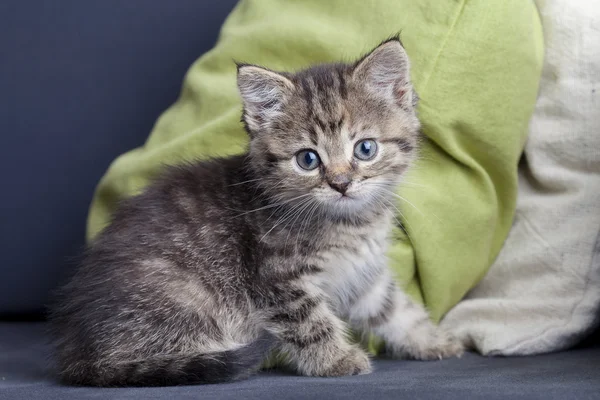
340,182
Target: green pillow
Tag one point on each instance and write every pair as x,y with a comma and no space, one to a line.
476,67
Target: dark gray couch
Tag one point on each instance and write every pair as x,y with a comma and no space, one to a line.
80,83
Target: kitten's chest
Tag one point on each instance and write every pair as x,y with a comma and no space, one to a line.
351,266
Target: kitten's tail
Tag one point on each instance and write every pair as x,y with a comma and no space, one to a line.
225,366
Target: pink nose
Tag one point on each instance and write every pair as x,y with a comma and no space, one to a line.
340,183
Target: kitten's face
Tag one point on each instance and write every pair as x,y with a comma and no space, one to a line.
333,138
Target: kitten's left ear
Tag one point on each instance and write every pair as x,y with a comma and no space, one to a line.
263,93
385,72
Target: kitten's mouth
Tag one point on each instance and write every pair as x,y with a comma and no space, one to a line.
344,197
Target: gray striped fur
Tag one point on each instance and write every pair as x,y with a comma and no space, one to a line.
218,263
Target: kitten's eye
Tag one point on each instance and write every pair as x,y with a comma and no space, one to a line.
308,159
365,149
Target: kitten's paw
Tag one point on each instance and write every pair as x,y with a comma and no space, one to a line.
435,344
443,345
355,362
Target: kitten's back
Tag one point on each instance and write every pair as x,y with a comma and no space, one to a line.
146,306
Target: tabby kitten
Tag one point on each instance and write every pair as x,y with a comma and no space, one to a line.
219,263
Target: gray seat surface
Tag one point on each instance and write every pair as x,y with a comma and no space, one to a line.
25,374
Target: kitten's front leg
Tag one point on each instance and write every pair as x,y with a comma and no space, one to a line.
404,325
314,338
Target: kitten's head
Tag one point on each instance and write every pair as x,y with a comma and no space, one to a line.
334,136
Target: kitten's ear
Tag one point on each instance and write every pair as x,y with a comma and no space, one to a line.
385,71
263,92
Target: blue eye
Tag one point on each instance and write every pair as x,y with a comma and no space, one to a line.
365,149
308,160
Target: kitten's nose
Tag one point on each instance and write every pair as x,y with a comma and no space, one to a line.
340,182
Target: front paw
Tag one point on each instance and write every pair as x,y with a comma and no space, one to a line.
354,362
432,343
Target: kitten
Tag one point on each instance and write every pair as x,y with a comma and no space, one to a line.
219,263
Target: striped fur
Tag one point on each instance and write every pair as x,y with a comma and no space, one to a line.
220,262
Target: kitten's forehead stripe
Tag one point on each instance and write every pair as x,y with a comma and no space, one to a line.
323,78
307,92
335,125
320,123
342,84
312,135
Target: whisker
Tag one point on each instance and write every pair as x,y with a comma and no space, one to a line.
244,182
389,184
294,221
403,199
407,201
272,205
408,183
404,219
284,217
400,224
306,221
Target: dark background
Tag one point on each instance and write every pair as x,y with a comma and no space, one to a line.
81,81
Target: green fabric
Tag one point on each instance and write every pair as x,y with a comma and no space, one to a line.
476,67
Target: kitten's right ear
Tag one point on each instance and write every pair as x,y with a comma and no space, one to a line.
263,92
